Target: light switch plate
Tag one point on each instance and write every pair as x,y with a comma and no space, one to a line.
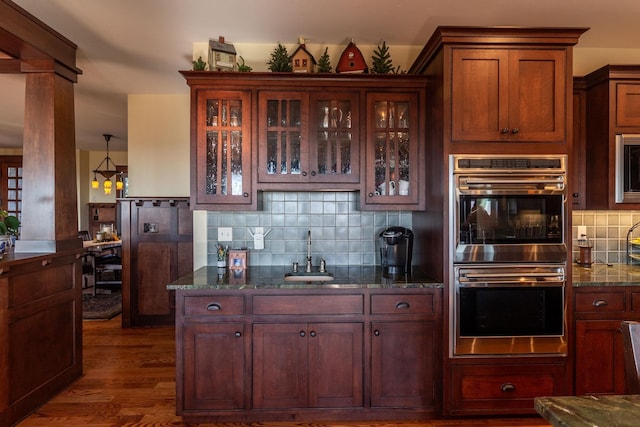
582,231
225,234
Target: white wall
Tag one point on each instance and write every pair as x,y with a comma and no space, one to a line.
159,145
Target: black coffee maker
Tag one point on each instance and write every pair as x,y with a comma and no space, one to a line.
396,247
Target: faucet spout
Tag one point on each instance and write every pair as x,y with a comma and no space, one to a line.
308,266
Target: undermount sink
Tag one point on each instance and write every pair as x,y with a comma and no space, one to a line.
301,276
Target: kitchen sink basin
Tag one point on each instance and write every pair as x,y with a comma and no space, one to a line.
308,277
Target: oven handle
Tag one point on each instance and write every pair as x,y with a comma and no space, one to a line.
480,276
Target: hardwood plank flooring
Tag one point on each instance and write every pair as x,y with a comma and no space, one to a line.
129,380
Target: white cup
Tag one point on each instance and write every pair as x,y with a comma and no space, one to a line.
392,188
403,187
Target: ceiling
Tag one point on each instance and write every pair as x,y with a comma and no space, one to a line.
137,47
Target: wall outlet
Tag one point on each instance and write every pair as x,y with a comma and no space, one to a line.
582,231
225,234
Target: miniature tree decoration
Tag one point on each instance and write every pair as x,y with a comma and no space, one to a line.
381,58
324,63
199,65
280,60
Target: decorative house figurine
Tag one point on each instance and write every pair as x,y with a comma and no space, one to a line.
302,60
352,61
222,56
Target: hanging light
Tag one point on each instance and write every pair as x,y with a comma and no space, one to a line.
119,183
107,172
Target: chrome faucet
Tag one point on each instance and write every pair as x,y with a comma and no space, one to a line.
309,265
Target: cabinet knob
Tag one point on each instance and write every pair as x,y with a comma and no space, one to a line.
214,306
312,333
245,194
600,303
313,173
238,334
515,130
504,130
370,194
507,387
302,334
376,333
304,173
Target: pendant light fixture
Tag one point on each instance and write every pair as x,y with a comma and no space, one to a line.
109,170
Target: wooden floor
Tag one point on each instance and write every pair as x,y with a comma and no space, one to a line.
129,380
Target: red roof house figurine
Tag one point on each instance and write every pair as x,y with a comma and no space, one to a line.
352,61
302,60
222,56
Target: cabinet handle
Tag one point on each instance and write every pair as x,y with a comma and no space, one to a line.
507,387
313,173
304,173
312,333
600,303
576,195
370,194
515,130
214,306
302,334
376,333
238,334
402,305
504,130
245,194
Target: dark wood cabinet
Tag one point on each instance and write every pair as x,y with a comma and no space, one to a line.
504,95
612,107
302,354
306,133
101,214
578,152
599,354
298,365
157,248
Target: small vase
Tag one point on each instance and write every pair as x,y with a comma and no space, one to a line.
222,263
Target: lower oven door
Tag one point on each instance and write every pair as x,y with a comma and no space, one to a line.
509,310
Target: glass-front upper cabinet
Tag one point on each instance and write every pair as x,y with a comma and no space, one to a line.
334,137
392,150
223,159
307,137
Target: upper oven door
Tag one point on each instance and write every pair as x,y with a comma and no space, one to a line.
509,218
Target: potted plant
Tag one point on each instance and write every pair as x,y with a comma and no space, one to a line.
9,224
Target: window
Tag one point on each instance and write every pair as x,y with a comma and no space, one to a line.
11,185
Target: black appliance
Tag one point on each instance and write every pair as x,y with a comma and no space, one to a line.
396,248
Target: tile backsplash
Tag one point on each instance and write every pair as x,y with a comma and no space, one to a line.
607,231
340,233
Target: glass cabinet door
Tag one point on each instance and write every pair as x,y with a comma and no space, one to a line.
392,148
283,137
334,138
223,160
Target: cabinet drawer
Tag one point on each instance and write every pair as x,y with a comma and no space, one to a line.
223,305
308,304
402,304
505,388
599,302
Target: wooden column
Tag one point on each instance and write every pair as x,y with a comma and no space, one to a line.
49,201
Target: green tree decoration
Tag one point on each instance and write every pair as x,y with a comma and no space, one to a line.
324,63
199,65
280,60
381,58
242,67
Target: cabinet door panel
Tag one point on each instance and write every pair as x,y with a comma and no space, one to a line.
599,357
627,105
279,365
402,364
153,276
335,365
480,95
537,95
213,366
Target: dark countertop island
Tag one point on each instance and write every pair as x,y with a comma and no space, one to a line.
272,277
590,411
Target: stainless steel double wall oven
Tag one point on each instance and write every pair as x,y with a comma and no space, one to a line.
509,254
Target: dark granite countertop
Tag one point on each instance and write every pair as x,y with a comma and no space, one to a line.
606,275
272,277
590,411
